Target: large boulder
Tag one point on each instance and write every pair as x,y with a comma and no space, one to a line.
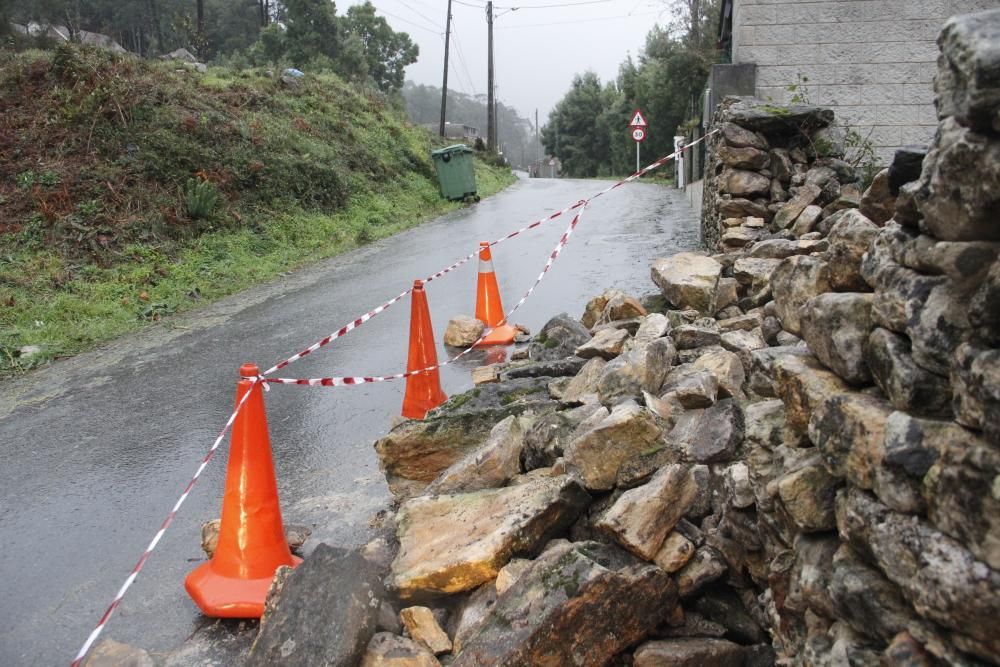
794,281
548,436
689,280
416,452
596,455
710,435
578,604
325,612
836,326
454,543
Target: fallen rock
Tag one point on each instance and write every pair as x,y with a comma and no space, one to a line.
727,369
747,157
806,222
454,543
692,387
689,652
710,435
690,336
849,240
596,456
689,280
836,326
739,207
704,567
389,650
488,466
295,535
808,495
794,281
640,369
878,203
594,311
548,436
463,331
424,629
642,517
579,604
743,183
558,339
585,382
415,452
674,553
607,343
325,612
864,598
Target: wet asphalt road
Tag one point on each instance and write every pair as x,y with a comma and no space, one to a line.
97,448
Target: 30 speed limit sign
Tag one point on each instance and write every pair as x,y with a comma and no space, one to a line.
638,134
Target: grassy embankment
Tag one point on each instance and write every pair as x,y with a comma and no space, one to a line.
101,229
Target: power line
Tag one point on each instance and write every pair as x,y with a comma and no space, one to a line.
519,7
423,16
404,20
602,18
461,57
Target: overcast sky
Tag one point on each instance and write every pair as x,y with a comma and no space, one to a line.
538,47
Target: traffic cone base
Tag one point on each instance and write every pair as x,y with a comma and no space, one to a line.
489,307
252,545
501,335
228,597
423,390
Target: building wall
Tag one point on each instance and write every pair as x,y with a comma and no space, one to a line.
872,61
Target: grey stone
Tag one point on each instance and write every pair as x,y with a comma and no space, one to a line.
781,164
706,566
584,383
849,430
578,604
791,210
807,220
738,137
786,121
836,326
111,653
865,599
595,456
690,336
454,543
849,239
743,183
907,163
738,207
782,248
878,203
641,518
907,385
938,326
968,70
803,383
389,650
325,612
689,280
607,343
689,652
941,579
547,437
975,379
808,495
558,339
959,189
640,369
692,387
724,607
747,157
794,281
761,375
710,435
488,466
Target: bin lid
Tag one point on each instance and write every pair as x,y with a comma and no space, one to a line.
451,150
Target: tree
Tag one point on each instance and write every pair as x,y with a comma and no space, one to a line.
311,30
578,137
385,52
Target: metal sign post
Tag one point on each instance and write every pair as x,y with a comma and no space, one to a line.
638,126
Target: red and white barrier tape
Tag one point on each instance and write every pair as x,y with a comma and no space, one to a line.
159,534
344,381
347,381
347,328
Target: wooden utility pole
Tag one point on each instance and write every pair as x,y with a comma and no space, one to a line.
444,82
537,143
491,137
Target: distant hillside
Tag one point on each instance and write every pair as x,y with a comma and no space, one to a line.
130,189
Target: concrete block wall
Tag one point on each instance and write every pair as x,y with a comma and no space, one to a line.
872,61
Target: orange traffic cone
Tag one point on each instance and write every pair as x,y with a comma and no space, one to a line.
234,583
489,308
423,391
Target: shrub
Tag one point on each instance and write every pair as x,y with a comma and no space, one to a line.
200,198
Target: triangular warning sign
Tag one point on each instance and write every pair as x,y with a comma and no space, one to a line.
638,120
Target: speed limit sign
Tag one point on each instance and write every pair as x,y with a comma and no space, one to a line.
638,134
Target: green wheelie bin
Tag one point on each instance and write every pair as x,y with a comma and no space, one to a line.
456,173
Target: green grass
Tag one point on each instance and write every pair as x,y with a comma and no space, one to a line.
96,238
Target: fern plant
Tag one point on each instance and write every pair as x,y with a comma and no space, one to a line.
200,198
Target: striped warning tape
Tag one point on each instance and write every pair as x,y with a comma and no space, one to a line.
347,381
344,381
354,324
